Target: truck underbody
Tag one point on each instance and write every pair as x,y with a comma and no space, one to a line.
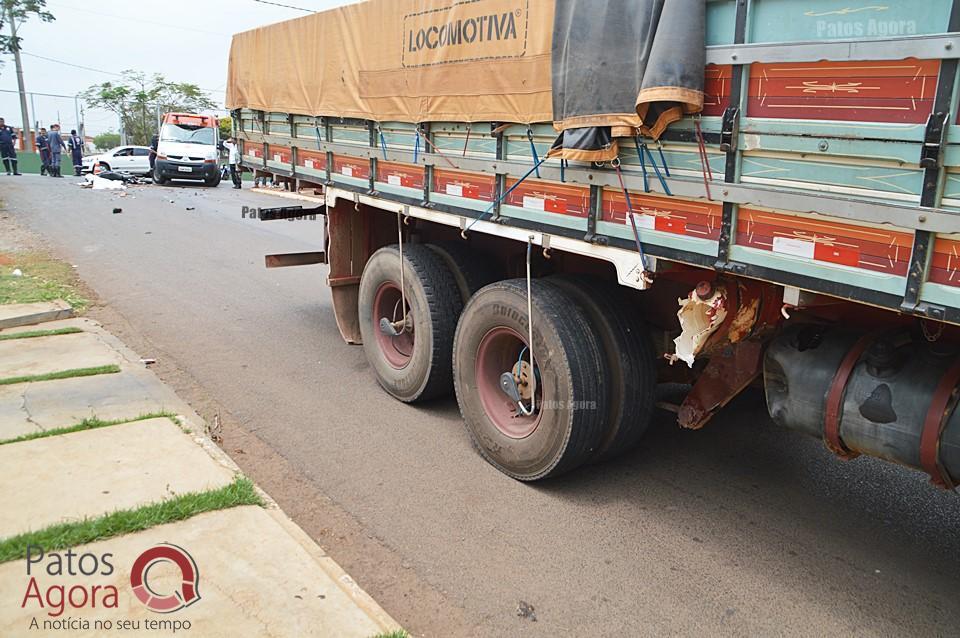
795,236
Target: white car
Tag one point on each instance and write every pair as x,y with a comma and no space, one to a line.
129,159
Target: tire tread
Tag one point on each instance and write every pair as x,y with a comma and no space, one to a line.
586,369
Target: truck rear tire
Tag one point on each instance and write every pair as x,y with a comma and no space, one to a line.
629,355
416,364
568,420
471,269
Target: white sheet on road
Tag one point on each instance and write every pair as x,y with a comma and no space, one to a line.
100,184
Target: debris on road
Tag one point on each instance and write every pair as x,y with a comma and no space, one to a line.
191,208
117,211
101,184
215,429
526,610
147,360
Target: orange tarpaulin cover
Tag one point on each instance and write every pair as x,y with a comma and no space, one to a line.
402,60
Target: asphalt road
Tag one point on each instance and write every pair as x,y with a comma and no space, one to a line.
739,529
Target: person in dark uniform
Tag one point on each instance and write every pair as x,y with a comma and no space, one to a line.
75,142
43,147
7,151
154,144
56,148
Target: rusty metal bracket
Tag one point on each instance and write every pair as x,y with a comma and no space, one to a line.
835,395
730,129
284,260
944,402
931,153
727,374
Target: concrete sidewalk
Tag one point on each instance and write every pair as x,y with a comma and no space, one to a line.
256,572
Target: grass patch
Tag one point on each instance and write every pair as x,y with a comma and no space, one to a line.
30,334
91,423
43,279
399,633
240,492
63,374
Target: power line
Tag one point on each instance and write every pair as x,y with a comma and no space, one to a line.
87,68
156,24
285,6
77,66
41,94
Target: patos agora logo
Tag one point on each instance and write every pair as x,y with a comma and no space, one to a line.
165,603
53,585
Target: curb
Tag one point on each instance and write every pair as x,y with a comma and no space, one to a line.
55,310
344,581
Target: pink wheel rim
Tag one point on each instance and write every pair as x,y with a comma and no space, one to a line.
497,353
397,351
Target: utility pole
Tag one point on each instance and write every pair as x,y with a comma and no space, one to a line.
15,45
83,117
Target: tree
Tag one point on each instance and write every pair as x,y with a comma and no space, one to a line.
226,127
12,14
106,141
19,11
139,100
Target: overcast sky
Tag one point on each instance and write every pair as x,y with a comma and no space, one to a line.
185,40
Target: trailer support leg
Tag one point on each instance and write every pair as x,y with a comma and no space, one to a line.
347,252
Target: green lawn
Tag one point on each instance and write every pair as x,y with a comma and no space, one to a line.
30,334
42,279
91,423
62,374
240,492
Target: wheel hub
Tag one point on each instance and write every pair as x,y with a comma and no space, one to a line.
521,376
504,381
395,329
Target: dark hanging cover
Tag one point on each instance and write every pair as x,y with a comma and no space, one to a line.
623,67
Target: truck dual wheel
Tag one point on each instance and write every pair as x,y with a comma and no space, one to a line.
409,347
471,269
569,412
630,359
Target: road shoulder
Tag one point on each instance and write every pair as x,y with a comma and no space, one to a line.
258,573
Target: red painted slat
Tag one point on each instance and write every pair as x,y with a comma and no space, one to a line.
879,91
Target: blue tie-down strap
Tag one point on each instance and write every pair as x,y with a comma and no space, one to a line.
663,158
644,154
489,208
533,152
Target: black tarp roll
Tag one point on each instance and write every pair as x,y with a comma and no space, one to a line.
625,64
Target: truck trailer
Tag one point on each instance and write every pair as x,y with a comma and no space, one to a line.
551,208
